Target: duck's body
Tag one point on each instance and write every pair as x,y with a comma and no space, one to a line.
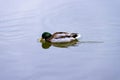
59,37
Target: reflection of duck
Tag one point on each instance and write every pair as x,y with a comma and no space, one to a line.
59,37
46,44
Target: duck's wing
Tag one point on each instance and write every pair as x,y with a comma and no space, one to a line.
66,35
58,35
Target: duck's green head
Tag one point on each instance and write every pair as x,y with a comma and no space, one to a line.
46,35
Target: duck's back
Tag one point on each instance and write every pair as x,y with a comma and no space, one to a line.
64,37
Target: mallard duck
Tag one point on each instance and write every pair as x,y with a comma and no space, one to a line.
60,37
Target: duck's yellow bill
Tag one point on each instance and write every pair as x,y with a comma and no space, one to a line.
40,39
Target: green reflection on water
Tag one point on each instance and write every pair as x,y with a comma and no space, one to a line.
47,45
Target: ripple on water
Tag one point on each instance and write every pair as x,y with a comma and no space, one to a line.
73,14
11,33
16,26
62,14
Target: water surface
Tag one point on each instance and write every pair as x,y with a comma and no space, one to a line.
23,58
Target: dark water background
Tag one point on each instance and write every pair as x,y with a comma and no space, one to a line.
23,58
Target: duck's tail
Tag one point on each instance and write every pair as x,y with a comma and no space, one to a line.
76,35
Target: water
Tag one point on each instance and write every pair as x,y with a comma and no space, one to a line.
23,58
